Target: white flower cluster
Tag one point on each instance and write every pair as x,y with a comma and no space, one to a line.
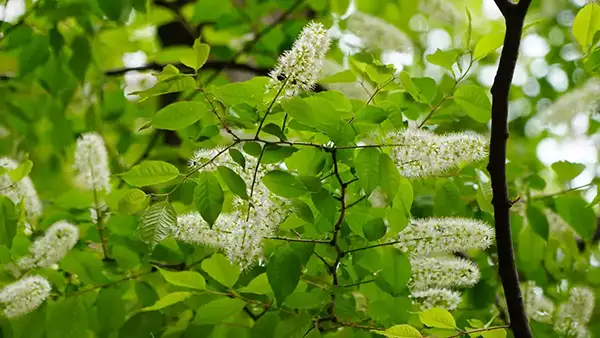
537,306
451,234
377,34
91,163
442,272
441,11
238,234
583,99
23,190
434,273
49,249
573,316
298,69
24,296
422,153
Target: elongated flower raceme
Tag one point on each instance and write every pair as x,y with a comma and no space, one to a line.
24,296
573,315
91,163
49,249
442,272
583,99
452,234
376,34
421,153
240,232
442,298
21,191
298,69
537,306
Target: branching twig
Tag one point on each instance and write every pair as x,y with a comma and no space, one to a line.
217,65
289,239
514,15
540,197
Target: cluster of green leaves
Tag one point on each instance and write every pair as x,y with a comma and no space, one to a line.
332,274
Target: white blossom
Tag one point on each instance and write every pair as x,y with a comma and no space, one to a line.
537,306
298,69
49,249
573,315
442,298
239,232
420,153
23,190
377,34
24,296
442,272
583,99
91,163
452,234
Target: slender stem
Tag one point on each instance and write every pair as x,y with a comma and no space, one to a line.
372,96
485,329
269,108
447,95
358,283
514,15
563,191
288,239
362,198
373,246
214,110
102,286
336,233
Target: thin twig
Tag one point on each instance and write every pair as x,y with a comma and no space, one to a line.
562,192
485,329
289,239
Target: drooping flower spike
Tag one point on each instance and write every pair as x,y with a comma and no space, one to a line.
91,163
452,234
49,249
24,296
421,153
298,69
442,298
573,315
376,34
442,272
537,306
23,190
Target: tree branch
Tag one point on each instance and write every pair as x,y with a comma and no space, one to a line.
514,17
218,65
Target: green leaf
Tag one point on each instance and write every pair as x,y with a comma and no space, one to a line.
21,171
474,100
566,171
156,223
188,279
218,311
400,331
8,221
233,181
149,173
395,271
179,115
574,210
283,272
208,197
538,221
499,333
488,44
72,310
390,179
371,114
374,229
259,285
284,184
438,318
445,58
198,58
367,168
294,327
82,54
237,157
344,76
466,42
586,24
132,201
168,300
250,92
220,269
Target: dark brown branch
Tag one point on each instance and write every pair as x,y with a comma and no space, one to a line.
514,17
